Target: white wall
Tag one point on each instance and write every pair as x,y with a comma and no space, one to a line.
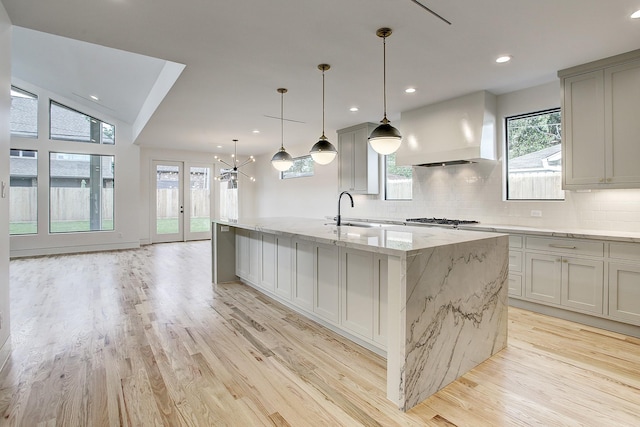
466,192
307,197
126,202
5,105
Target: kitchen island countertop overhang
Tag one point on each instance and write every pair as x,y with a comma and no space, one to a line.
444,299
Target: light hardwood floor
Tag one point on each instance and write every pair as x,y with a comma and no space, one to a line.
142,337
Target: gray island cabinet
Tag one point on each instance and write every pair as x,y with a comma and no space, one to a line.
432,300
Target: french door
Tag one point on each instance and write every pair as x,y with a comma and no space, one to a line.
182,201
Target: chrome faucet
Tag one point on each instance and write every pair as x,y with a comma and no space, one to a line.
338,221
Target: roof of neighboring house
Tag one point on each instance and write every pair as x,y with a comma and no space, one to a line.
27,167
534,160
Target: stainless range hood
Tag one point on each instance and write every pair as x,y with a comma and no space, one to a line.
456,131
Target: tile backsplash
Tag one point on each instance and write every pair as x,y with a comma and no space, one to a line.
476,192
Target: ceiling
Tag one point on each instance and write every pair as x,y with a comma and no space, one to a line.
237,53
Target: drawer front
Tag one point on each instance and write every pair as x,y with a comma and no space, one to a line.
515,261
628,251
566,246
515,242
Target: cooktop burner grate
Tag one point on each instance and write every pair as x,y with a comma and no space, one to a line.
443,221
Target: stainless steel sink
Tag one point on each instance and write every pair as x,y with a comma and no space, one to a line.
359,224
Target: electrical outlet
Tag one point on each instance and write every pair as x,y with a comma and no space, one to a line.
536,214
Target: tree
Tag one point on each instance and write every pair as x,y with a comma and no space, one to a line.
531,133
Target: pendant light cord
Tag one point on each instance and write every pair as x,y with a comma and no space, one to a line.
384,77
323,136
281,121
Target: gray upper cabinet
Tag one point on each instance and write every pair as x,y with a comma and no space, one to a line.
601,124
359,164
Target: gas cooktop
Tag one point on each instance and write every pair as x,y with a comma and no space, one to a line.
441,221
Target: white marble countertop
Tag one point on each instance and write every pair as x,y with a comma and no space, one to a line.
387,238
576,233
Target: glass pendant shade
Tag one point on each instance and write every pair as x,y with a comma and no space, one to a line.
323,152
282,160
385,139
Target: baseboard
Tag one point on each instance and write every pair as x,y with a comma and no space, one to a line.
60,250
572,316
5,350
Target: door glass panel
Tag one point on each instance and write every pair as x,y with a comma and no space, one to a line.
199,184
167,199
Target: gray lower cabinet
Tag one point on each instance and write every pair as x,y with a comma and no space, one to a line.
572,282
326,301
303,272
345,287
624,282
283,269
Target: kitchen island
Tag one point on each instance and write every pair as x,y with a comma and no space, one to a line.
433,300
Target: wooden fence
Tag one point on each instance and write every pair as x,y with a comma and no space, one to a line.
536,185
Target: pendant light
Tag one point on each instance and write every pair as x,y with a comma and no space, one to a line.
282,160
323,152
233,170
385,139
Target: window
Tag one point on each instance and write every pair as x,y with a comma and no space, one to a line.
23,183
24,113
534,157
398,180
200,198
81,192
302,166
71,125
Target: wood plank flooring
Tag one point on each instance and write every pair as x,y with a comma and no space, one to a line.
141,337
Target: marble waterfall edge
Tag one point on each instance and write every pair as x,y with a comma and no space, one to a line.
456,314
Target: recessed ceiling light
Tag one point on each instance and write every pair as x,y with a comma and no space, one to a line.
502,59
353,109
636,14
218,146
410,90
255,131
95,98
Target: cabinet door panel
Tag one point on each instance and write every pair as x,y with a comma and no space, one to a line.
242,253
543,277
622,103
283,267
357,294
303,272
582,284
327,290
380,297
268,261
346,143
583,128
515,285
624,292
515,261
254,257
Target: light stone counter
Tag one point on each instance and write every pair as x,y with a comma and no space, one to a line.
446,296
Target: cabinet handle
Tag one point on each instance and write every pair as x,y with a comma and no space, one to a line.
564,260
608,179
551,245
601,180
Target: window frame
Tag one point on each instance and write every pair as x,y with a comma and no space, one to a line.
507,157
36,98
288,174
100,123
102,187
386,180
